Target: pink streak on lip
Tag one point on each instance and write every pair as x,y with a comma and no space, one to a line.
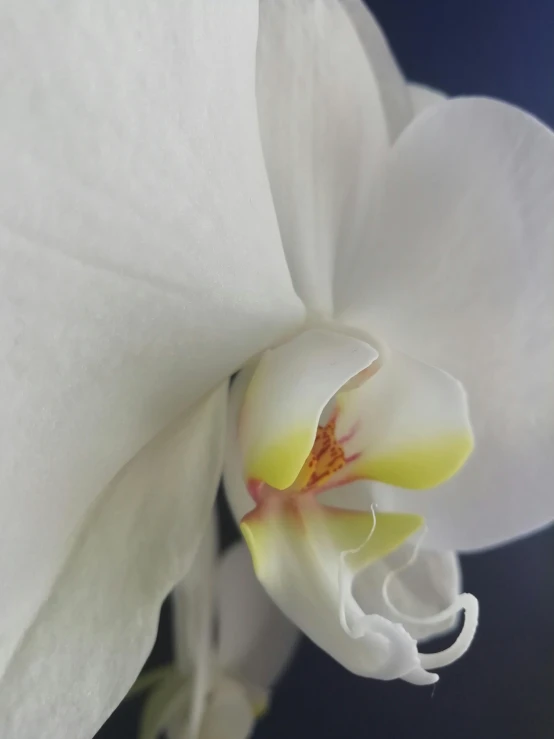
255,488
333,484
260,492
350,435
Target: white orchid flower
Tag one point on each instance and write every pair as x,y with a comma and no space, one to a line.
232,644
423,251
187,186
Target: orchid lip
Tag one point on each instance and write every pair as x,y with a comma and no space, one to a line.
321,412
318,474
326,401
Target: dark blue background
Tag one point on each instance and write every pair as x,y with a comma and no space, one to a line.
503,689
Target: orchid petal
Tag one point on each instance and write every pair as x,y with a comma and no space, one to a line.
463,281
323,132
289,389
256,641
90,638
393,90
133,276
424,97
297,548
408,424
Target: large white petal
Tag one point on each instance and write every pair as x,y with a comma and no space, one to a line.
395,94
323,131
458,272
256,640
79,657
140,259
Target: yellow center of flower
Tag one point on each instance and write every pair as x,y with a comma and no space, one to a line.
326,457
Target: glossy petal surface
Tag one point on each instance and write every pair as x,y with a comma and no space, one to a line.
324,135
90,638
463,281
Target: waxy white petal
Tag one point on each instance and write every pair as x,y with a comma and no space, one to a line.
140,263
458,272
81,654
323,131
